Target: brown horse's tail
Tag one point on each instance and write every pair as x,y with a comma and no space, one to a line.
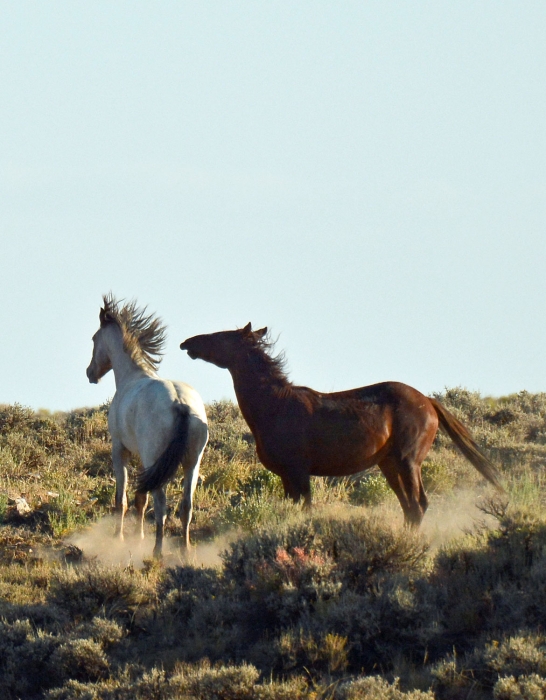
166,466
464,441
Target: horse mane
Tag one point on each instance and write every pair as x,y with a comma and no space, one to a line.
261,356
144,335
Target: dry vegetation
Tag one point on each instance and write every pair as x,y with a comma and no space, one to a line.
340,604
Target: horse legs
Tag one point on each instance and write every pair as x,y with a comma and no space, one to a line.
191,474
160,513
119,461
404,477
296,486
141,501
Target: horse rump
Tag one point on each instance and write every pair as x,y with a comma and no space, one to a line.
165,467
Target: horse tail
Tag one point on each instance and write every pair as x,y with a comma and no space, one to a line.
166,466
466,444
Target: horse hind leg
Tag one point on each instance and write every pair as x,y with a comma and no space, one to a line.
141,501
160,514
198,438
404,477
191,475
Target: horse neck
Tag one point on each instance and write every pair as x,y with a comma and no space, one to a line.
257,393
124,367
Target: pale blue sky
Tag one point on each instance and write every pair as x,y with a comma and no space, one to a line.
368,179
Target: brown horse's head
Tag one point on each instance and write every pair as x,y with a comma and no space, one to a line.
222,349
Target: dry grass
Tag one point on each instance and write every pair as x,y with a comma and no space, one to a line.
275,603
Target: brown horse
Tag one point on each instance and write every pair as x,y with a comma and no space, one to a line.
300,432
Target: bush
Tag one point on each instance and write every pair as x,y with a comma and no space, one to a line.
325,654
508,667
65,514
531,687
495,580
78,659
377,688
98,591
371,490
24,660
301,600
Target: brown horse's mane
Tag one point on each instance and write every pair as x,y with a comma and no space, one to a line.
143,334
264,362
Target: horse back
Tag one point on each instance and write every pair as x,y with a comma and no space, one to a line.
342,432
143,416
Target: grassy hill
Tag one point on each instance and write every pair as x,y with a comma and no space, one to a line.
342,602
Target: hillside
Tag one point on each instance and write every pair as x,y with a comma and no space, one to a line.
342,602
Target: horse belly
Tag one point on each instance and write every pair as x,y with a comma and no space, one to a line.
347,451
343,462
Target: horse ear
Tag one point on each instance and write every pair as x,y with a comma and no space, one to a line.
261,332
247,329
104,317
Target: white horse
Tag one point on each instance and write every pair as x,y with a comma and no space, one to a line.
162,422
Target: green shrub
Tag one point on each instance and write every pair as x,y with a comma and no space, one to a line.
502,666
371,490
65,514
24,659
3,507
99,629
531,687
188,683
78,659
254,510
514,656
83,425
494,579
99,591
438,478
15,418
360,546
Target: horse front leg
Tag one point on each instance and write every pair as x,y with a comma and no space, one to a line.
160,514
119,462
297,485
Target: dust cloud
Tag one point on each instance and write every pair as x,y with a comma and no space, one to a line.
99,544
447,518
454,515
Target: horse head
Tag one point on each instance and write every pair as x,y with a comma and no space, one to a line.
222,349
100,361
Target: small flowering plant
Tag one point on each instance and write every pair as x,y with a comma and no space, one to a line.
291,570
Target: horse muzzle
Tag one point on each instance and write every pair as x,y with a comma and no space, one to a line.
191,354
93,379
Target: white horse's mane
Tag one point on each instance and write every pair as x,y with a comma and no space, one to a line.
144,334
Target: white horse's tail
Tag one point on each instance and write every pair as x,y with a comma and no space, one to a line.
165,468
